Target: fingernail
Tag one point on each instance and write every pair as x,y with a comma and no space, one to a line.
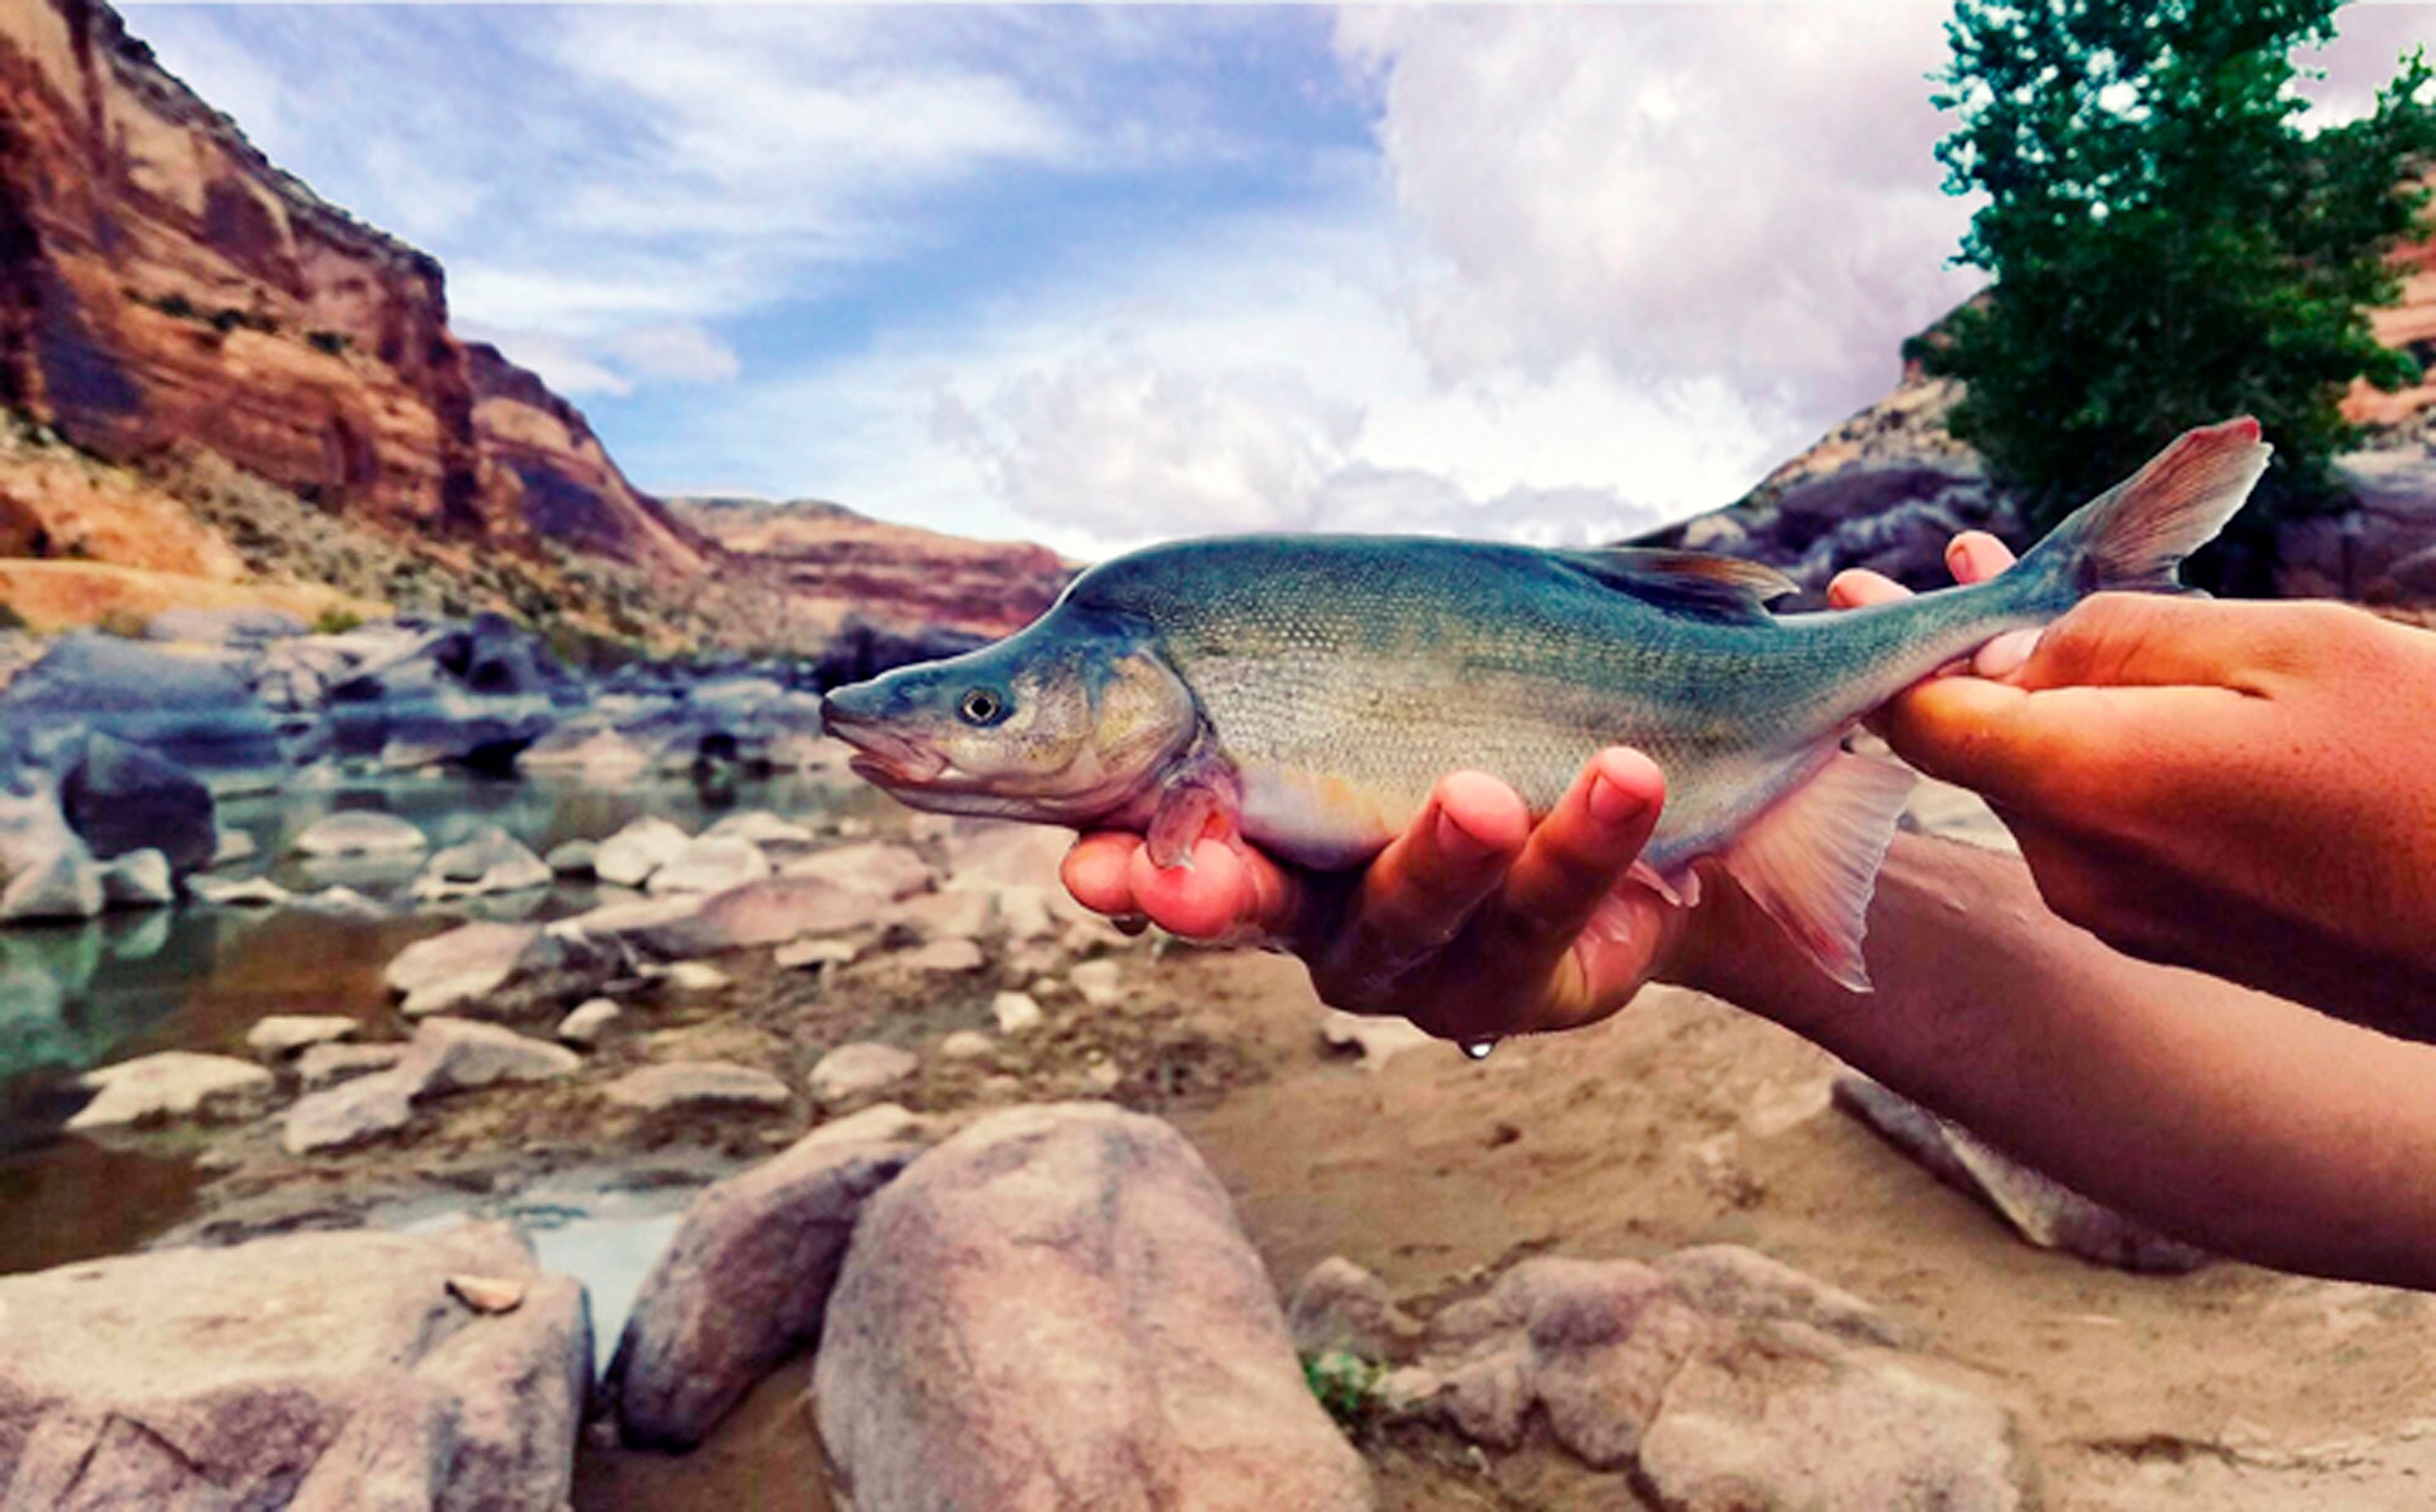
2006,654
1458,843
1610,805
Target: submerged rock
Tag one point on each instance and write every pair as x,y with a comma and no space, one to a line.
1056,1309
744,1283
489,860
172,1085
310,1370
359,832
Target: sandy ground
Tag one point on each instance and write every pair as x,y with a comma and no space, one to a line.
1681,1121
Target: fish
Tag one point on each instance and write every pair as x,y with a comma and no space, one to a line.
1305,693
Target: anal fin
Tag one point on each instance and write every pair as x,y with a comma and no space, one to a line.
1812,860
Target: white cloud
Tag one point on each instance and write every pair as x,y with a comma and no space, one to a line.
1686,192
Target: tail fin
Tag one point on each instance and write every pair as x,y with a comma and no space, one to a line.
2135,534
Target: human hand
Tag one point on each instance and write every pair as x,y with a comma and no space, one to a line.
1476,923
2235,787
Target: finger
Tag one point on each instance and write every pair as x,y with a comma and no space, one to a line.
2007,654
1975,556
2146,640
1422,889
1212,898
1578,855
1858,589
1095,871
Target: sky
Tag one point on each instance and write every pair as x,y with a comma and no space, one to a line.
1101,276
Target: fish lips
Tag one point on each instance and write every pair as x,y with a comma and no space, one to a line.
883,755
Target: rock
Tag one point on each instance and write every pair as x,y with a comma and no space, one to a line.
1341,1306
1786,1418
1595,1343
252,891
321,1065
46,872
966,1045
2042,1210
681,1086
853,1071
457,1054
1056,1309
319,1370
589,1022
489,860
761,828
172,1085
744,1283
352,1112
772,912
1015,1013
1025,914
962,915
576,857
186,711
630,857
1744,1284
1097,982
250,626
714,863
359,832
943,957
140,879
1374,1038
489,1295
696,976
802,953
121,797
876,869
469,962
880,1124
281,1036
233,846
340,903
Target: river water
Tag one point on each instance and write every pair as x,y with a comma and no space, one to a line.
198,978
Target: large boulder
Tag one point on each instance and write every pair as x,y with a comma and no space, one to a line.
1056,1309
196,711
464,967
122,797
311,1370
2380,549
744,1284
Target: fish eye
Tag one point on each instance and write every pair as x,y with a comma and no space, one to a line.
982,705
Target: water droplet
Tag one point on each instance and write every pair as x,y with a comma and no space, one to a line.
1478,1048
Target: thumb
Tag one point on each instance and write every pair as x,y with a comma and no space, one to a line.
2144,640
1993,738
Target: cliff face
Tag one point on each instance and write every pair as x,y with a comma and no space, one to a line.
161,282
832,563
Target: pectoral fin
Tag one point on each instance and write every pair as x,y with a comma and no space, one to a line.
1812,861
1201,800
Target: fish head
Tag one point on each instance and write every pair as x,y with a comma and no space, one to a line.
1063,723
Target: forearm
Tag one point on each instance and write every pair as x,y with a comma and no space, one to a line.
2250,1125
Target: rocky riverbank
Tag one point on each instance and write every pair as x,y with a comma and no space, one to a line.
879,1067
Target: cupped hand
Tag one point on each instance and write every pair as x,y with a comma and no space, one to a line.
2241,788
1475,923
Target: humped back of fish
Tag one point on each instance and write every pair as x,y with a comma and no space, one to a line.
1306,694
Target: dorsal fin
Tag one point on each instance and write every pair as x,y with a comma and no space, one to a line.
1692,582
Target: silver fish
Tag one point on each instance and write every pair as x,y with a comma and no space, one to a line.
1307,693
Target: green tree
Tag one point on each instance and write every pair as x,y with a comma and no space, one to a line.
2170,245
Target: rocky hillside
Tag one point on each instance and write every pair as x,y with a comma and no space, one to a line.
273,389
822,553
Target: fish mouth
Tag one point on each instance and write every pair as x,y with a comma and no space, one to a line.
882,756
